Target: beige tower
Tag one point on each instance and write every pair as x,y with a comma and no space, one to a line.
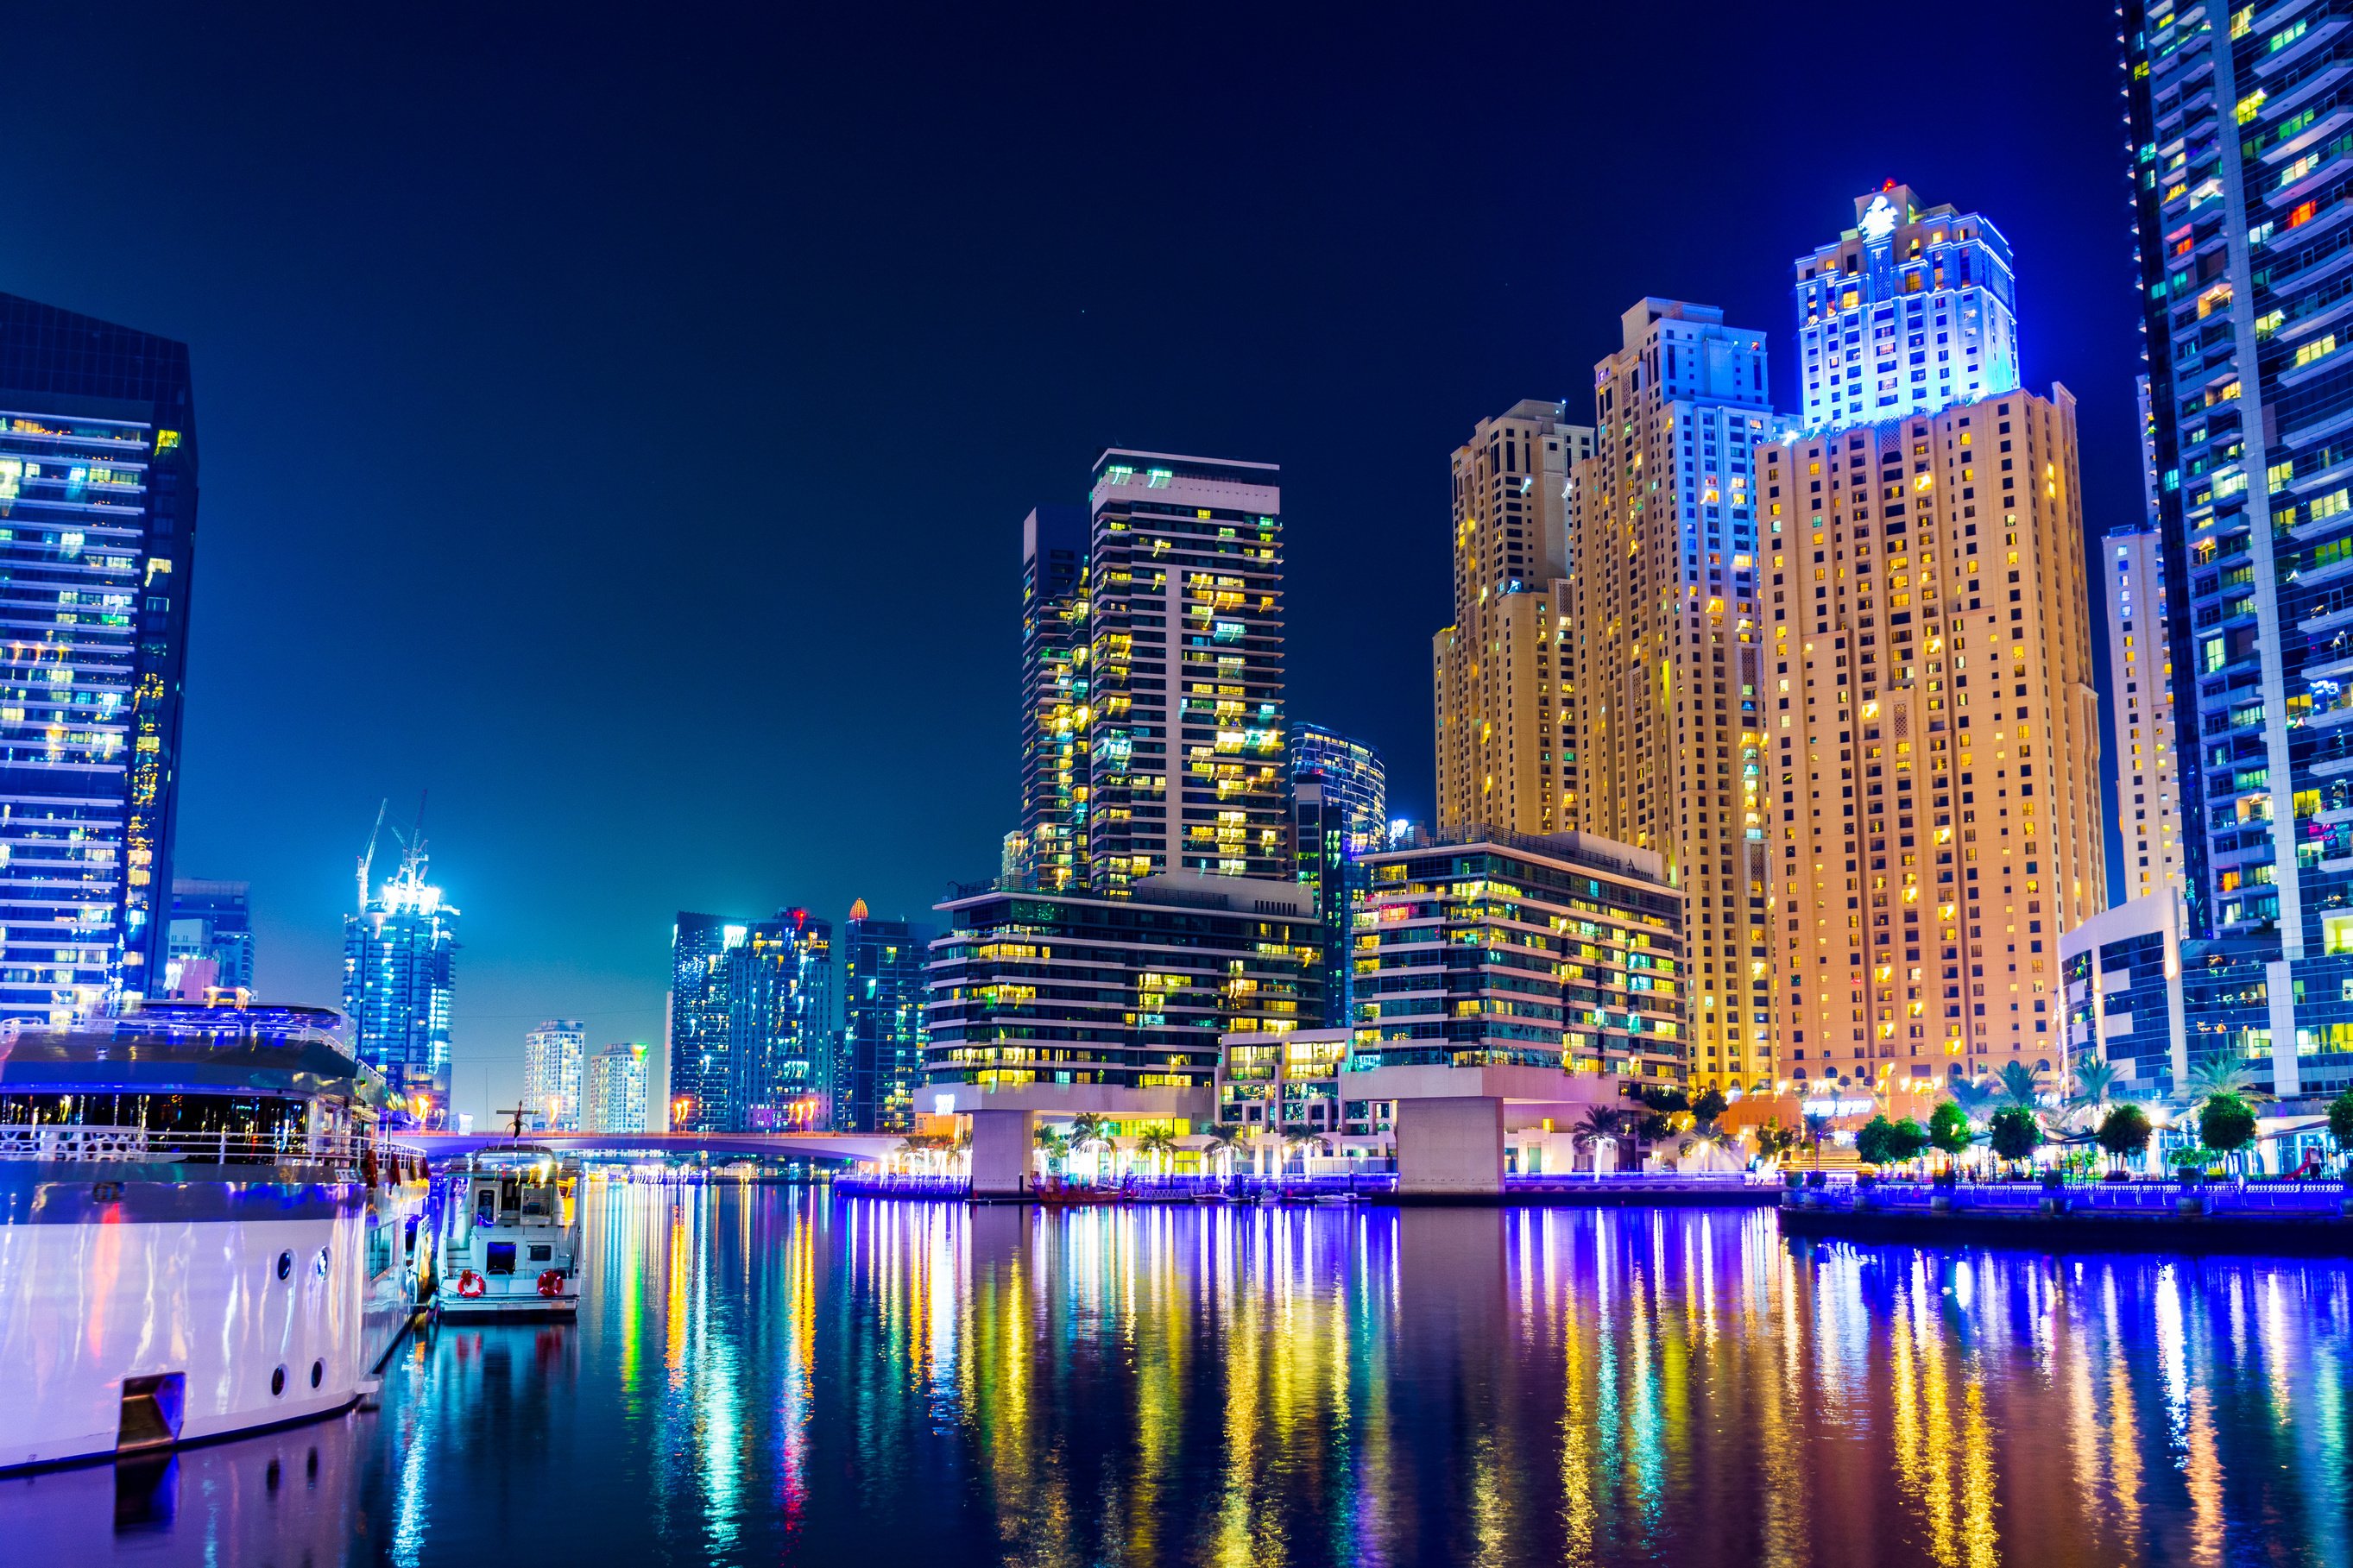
1500,762
1934,739
1664,657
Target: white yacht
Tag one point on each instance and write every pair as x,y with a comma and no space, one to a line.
510,1228
202,1230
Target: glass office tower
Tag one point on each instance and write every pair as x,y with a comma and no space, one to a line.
2243,191
98,515
883,973
399,984
751,1025
211,940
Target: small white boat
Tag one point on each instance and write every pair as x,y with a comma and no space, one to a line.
510,1235
1338,1199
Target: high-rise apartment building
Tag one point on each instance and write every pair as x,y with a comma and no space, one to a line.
1332,872
1663,659
2240,182
1049,850
613,1091
97,520
1091,1001
1353,779
1484,948
400,982
884,973
1186,765
1501,718
1909,312
1932,740
552,1055
210,943
2141,719
751,1025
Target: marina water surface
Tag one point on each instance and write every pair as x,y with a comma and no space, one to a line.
774,1374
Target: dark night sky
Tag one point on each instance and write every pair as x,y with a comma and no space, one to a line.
620,426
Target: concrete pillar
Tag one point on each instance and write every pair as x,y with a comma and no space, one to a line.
1451,1147
1002,1144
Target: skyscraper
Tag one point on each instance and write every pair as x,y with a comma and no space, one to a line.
751,1022
2237,194
1663,658
1332,872
1907,313
2140,720
883,978
1353,777
1185,670
210,942
1052,852
399,982
98,518
1501,718
551,1056
613,1091
1934,741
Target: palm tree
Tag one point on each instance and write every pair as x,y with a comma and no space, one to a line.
2096,1082
1817,1127
2021,1085
1055,1144
1297,1137
1602,1123
1974,1099
1157,1143
2219,1073
1223,1140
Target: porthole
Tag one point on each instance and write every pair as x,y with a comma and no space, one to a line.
277,1383
285,1264
319,1268
318,1371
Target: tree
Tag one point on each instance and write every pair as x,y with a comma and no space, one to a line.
2015,1134
2340,1120
1949,1129
1775,1140
1973,1098
2021,1085
1710,1105
2125,1131
1872,1141
2096,1082
1158,1143
1666,1101
2226,1123
1817,1129
1224,1138
1909,1142
2219,1074
1087,1130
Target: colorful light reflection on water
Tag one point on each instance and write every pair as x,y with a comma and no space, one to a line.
768,1374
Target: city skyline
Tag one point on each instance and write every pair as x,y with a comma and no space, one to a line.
550,932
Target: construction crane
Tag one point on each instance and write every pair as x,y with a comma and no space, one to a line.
367,856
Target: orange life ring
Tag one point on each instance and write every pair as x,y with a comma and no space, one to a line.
551,1283
472,1285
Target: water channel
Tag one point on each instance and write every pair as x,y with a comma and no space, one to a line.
775,1375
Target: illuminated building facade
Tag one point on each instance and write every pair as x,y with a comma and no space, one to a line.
1486,948
1502,724
1186,765
701,1078
2241,185
2122,972
1291,1081
613,1091
1934,739
551,1056
2140,720
210,942
884,970
1663,658
1114,1003
1353,779
1049,850
400,984
751,1036
1909,312
98,515
1331,870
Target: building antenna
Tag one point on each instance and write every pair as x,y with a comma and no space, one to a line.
367,856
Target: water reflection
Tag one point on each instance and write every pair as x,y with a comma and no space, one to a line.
765,1375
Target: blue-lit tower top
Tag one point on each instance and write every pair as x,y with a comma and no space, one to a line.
1909,312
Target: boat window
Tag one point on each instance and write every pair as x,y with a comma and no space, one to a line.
542,1252
501,1260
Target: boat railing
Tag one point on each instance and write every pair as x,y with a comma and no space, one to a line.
67,1144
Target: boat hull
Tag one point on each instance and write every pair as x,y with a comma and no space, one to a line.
216,1305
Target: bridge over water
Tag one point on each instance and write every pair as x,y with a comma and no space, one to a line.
717,1145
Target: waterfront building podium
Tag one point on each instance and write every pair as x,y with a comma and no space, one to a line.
1001,1144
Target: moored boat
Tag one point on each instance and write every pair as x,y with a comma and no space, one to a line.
201,1228
510,1243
